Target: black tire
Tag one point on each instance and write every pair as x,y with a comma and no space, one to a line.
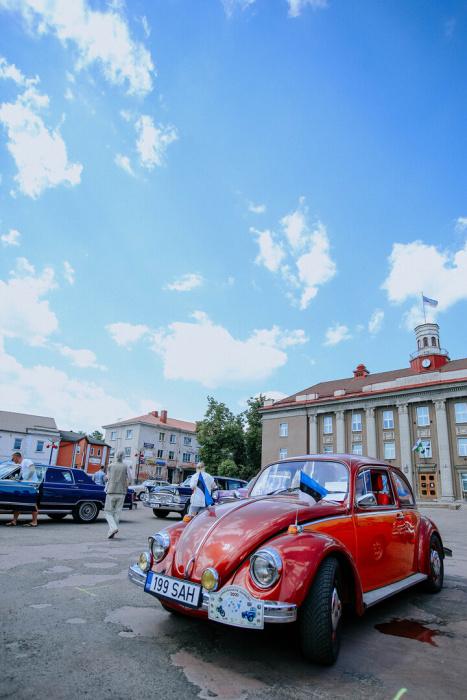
85,512
160,513
56,516
321,615
434,582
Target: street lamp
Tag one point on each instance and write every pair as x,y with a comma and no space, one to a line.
140,457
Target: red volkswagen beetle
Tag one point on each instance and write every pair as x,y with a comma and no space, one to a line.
315,533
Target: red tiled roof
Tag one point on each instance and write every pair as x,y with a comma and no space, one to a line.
354,385
150,419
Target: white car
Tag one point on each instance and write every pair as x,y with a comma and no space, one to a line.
140,489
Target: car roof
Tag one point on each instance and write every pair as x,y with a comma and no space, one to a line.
354,462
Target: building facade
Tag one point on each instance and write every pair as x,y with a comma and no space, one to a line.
385,415
82,451
155,446
36,437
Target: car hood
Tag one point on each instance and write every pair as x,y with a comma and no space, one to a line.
223,536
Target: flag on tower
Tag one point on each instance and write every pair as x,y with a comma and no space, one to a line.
430,302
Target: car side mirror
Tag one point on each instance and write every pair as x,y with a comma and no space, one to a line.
215,495
367,500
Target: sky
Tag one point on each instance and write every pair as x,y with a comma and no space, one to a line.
224,198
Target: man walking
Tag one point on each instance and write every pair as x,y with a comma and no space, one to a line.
118,476
27,473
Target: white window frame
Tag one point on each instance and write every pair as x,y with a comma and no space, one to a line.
158,471
327,449
389,450
113,435
283,453
161,437
186,457
327,425
356,423
160,454
99,452
78,449
40,446
462,447
426,446
388,420
112,452
423,415
173,438
171,455
92,451
127,451
129,434
17,443
357,448
283,429
460,410
187,441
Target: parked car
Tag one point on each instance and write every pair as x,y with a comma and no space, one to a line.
62,490
166,499
141,490
280,556
225,487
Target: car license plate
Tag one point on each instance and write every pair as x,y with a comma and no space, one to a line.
175,589
235,606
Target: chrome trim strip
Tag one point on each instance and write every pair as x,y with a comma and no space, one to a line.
378,512
136,576
372,597
324,520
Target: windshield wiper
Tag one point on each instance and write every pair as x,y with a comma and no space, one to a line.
290,488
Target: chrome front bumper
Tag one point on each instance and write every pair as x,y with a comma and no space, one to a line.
273,611
175,507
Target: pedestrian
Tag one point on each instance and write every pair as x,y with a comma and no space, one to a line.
118,476
202,485
98,477
27,473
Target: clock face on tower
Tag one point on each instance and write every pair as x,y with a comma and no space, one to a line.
426,362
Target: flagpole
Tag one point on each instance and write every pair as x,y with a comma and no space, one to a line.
424,310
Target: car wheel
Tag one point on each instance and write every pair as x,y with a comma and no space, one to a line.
85,512
56,516
321,615
142,496
434,582
160,513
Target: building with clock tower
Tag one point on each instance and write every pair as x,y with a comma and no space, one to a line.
414,418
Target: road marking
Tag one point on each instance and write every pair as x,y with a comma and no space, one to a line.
400,693
85,590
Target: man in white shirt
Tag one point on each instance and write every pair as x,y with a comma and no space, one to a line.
202,485
27,473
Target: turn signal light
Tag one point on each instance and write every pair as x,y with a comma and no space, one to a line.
187,518
292,529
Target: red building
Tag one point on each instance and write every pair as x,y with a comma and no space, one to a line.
82,451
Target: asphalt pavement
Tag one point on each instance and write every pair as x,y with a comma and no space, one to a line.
73,626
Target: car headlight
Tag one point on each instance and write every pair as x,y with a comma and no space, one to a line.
159,544
210,579
145,561
265,567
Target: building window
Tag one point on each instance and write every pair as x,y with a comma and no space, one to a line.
327,425
425,342
389,450
423,417
283,453
173,438
462,447
196,458
187,441
92,451
112,452
127,451
186,457
113,435
425,450
461,412
129,434
433,342
78,449
327,449
171,455
161,437
17,445
160,454
388,419
99,452
283,429
357,449
357,424
158,471
40,446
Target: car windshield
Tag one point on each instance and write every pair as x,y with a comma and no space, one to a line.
6,469
284,477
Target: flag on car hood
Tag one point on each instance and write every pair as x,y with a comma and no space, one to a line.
310,490
202,487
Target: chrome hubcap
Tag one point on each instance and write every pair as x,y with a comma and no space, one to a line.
336,610
435,564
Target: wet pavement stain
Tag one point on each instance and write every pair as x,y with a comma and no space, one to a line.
410,629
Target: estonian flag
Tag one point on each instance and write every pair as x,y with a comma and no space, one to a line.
310,490
202,487
430,302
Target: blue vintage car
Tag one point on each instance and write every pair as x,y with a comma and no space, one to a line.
59,491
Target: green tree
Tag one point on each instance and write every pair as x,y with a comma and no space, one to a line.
220,436
253,437
97,435
229,468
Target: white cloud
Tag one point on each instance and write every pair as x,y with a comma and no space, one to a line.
23,311
126,333
69,95
270,253
186,283
205,353
335,334
260,209
68,273
274,395
39,153
296,6
376,321
80,358
231,5
11,72
416,268
11,238
153,141
41,390
124,163
100,38
301,256
461,224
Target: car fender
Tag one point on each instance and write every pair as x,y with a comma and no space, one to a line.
302,555
427,529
